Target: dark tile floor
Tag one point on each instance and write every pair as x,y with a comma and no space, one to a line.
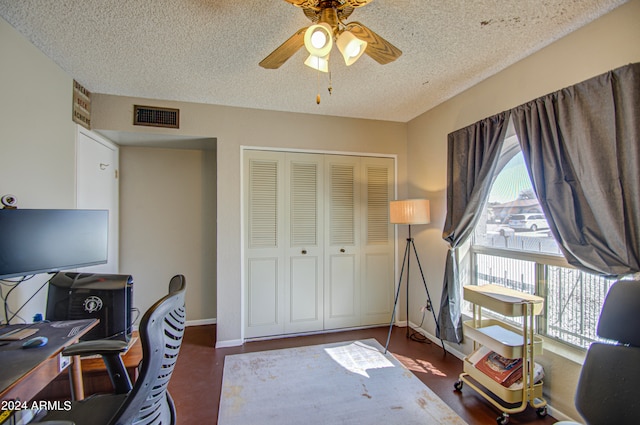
197,379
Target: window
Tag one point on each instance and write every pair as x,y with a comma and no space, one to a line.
512,246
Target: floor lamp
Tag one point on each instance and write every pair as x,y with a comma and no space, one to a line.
410,212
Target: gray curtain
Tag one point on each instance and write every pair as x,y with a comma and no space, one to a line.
582,148
473,154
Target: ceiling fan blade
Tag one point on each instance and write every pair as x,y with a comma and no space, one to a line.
354,3
284,51
378,48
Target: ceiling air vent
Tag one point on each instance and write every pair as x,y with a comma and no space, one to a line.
156,117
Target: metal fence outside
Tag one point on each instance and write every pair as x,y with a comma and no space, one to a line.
573,298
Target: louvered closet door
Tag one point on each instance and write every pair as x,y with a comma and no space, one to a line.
304,238
318,243
264,245
377,243
342,246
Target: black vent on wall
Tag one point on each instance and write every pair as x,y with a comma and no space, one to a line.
156,117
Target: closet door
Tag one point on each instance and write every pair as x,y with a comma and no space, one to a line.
264,245
97,187
377,242
342,242
318,243
304,243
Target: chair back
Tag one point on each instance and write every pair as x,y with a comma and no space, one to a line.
161,330
608,390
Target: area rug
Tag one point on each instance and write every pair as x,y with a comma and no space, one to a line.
340,383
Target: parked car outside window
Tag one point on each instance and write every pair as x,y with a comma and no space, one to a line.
524,222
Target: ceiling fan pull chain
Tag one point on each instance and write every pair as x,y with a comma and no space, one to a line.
318,87
330,88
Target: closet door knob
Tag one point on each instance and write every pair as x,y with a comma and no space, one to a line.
304,251
342,250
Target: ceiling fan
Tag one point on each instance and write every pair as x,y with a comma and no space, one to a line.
328,26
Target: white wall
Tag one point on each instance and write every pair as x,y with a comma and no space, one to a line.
234,128
37,139
608,43
167,226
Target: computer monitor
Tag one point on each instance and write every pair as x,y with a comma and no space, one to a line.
49,240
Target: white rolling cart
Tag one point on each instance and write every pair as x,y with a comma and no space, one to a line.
508,341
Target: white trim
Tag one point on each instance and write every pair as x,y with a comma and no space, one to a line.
229,343
542,258
320,332
201,322
243,264
560,416
98,138
319,151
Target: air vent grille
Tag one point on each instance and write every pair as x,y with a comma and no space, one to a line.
156,117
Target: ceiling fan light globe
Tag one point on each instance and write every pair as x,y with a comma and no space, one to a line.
351,47
318,63
352,50
318,40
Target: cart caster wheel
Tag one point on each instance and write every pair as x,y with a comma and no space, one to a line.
458,385
541,411
503,420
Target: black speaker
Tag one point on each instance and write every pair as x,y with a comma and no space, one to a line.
107,297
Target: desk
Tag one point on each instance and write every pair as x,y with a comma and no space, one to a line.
94,374
25,372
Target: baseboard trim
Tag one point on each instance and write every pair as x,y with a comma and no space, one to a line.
449,347
319,332
229,343
201,322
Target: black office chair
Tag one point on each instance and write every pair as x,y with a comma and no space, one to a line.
148,402
609,384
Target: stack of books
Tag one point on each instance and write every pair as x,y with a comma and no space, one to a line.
502,370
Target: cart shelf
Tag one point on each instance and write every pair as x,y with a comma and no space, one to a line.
500,337
505,301
507,395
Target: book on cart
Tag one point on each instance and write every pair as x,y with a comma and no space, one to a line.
502,370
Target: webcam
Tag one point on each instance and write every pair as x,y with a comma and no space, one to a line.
9,201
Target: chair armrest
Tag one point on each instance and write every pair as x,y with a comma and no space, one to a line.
101,347
110,351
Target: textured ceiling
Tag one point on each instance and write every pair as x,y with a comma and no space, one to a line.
207,51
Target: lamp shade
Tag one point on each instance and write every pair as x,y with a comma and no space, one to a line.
351,47
318,39
317,62
409,211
